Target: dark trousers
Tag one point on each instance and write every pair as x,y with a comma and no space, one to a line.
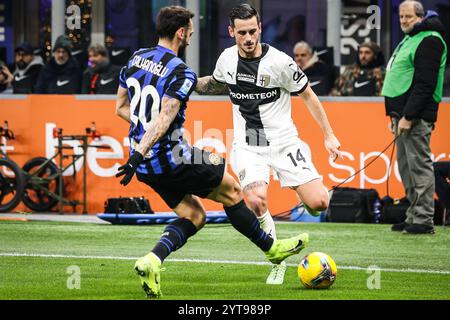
416,170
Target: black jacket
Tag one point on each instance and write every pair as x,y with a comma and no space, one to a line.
105,80
418,102
56,79
24,80
321,78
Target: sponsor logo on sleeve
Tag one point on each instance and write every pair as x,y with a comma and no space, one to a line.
187,85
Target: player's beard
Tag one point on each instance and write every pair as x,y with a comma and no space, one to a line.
182,48
249,49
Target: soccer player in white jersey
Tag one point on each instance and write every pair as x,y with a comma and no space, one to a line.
259,80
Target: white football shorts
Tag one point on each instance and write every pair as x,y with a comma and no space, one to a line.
290,162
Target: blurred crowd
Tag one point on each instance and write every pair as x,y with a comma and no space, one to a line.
69,72
66,72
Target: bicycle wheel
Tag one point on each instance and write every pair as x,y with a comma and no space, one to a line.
39,182
11,185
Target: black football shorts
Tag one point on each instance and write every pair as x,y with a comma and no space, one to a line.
198,178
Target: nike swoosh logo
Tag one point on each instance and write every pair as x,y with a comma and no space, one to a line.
299,244
115,53
62,83
312,84
20,78
361,84
74,53
105,82
321,52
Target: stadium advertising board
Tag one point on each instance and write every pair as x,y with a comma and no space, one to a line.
361,128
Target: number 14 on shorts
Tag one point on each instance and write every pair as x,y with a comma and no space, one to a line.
298,158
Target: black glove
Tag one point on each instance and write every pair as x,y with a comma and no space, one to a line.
129,168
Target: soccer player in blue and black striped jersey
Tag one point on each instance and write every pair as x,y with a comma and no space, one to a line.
154,88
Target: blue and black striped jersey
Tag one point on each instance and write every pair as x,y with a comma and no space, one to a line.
150,75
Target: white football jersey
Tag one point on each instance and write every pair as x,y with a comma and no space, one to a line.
260,93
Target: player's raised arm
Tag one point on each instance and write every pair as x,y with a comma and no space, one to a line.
316,109
208,85
159,126
123,104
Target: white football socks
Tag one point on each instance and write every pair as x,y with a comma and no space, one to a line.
267,224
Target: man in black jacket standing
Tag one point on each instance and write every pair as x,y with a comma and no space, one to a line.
413,90
25,71
321,76
62,74
102,77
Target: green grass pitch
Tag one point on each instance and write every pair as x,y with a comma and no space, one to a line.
218,263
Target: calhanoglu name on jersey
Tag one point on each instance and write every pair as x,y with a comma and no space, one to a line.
145,64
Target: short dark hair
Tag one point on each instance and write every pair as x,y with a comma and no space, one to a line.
99,49
170,19
244,12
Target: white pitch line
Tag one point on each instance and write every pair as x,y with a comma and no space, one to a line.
259,263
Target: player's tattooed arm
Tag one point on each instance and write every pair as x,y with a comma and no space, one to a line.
159,126
208,85
123,104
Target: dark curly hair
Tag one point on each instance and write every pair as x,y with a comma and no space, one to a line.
170,19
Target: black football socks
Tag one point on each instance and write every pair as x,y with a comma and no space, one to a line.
174,237
245,221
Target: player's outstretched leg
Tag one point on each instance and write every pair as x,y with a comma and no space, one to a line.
148,268
314,195
244,220
256,195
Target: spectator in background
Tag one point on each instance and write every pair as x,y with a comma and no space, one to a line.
101,77
320,75
5,79
25,71
365,77
442,184
62,74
